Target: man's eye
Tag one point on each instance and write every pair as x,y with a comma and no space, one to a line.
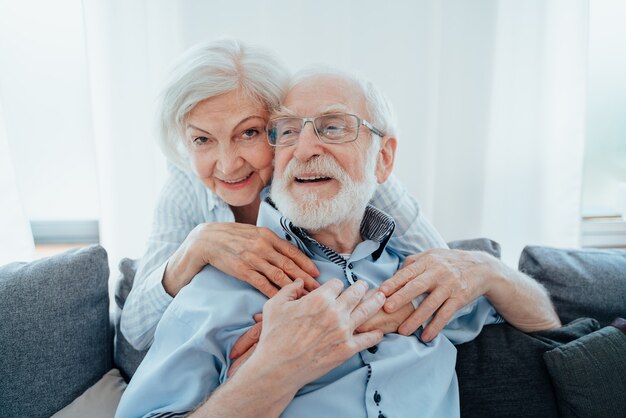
333,130
287,131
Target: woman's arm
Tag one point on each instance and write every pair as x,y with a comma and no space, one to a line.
452,279
178,211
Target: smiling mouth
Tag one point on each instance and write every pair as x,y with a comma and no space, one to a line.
316,179
237,181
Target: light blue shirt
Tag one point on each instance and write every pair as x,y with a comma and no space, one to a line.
400,377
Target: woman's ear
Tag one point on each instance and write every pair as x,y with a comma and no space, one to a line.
386,157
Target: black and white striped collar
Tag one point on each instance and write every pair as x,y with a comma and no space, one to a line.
376,226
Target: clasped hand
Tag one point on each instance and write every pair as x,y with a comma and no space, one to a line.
306,335
450,278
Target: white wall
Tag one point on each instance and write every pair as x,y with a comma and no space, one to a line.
605,154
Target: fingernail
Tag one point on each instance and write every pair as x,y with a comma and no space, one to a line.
360,285
380,296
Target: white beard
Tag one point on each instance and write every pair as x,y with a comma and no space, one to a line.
313,213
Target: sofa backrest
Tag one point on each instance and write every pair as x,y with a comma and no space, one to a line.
55,336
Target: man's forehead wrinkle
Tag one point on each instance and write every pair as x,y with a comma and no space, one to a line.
324,94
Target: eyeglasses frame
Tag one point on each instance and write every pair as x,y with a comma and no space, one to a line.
361,121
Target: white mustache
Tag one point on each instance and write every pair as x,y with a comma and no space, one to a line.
322,165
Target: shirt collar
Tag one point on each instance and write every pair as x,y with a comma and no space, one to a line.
376,226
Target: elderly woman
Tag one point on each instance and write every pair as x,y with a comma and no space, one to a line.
213,116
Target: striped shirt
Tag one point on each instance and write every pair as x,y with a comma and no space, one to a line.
185,203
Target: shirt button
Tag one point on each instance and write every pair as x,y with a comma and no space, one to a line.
377,397
350,266
373,349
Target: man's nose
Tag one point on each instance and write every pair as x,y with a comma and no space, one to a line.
308,145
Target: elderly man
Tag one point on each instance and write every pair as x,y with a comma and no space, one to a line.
317,355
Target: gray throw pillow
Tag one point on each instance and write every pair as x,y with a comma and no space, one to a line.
589,374
582,283
127,358
477,244
55,335
501,373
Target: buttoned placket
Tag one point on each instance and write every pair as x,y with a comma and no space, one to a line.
364,250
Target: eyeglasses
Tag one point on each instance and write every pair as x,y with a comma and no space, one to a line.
337,128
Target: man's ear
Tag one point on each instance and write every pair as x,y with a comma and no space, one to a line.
386,157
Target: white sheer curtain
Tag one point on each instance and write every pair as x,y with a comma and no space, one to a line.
508,141
490,98
16,238
128,50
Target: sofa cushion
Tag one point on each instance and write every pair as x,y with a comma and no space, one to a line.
55,337
582,283
502,374
99,401
589,374
477,244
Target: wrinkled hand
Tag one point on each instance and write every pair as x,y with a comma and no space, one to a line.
452,279
302,339
253,254
383,321
387,322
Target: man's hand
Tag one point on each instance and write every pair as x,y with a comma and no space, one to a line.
452,279
246,344
304,339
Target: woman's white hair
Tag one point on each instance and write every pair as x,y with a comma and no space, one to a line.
211,69
381,113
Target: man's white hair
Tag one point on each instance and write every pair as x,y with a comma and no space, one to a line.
381,113
211,69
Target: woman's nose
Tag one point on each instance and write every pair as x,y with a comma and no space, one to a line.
229,160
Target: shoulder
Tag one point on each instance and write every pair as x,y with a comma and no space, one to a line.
182,183
184,193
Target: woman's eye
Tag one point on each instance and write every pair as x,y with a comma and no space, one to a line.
250,133
201,140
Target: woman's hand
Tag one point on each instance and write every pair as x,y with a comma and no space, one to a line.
452,278
253,254
302,339
387,322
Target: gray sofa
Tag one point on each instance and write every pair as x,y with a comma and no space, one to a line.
57,339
